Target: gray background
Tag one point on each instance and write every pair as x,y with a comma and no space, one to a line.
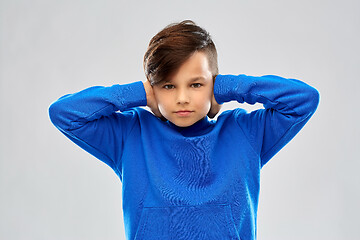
52,189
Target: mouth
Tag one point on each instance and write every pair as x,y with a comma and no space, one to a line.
183,113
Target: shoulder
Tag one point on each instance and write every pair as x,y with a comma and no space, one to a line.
226,119
134,113
239,117
231,114
133,118
142,112
142,115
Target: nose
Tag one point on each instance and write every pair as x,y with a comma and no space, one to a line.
183,96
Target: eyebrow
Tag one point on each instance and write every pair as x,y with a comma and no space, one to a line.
191,79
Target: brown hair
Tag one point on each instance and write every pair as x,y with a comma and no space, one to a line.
173,45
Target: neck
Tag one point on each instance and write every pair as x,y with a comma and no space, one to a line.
198,128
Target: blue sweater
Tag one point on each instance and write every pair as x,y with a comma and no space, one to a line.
197,182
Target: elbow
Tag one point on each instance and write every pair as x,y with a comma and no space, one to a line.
53,113
310,102
56,115
314,98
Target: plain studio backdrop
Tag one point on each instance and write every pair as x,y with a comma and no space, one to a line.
52,189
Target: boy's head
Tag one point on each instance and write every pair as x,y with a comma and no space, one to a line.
173,45
181,63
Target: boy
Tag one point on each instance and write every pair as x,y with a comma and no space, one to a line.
185,176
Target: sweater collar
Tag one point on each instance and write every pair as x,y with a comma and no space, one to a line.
200,127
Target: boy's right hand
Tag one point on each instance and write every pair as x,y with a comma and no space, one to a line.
151,101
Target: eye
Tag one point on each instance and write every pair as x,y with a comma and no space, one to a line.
168,86
196,85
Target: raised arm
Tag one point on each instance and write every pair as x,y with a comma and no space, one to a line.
288,103
91,118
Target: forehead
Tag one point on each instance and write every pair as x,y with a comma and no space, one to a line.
196,68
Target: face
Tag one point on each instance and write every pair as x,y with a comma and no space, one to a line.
185,97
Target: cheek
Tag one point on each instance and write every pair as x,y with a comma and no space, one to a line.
163,105
207,106
160,100
204,103
208,98
162,109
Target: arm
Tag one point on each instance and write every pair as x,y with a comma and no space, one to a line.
90,119
288,103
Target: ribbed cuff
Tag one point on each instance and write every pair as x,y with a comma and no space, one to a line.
132,95
225,87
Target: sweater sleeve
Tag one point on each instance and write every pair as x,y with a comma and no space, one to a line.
288,103
96,118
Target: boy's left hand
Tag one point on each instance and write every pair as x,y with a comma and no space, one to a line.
215,108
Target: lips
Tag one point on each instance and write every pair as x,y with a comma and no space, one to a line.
183,111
